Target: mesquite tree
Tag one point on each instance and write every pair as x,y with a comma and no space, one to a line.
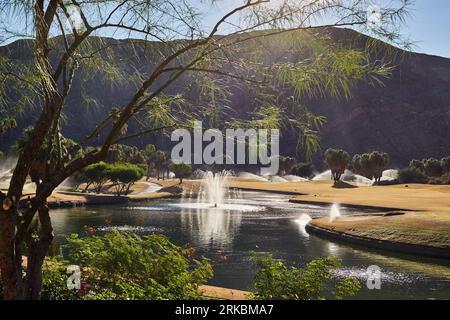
67,45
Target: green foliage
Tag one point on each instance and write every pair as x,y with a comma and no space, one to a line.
305,170
126,266
124,175
54,281
430,170
96,174
417,164
287,164
432,167
181,170
371,165
445,164
412,175
337,160
123,153
159,160
316,281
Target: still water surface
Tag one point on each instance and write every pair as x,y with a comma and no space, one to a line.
260,222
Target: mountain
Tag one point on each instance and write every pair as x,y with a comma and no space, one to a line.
408,117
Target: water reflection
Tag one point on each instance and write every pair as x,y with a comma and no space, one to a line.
212,228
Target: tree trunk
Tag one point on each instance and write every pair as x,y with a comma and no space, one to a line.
37,250
9,263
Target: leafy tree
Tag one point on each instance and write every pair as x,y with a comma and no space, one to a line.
96,174
158,159
379,161
66,48
123,153
432,167
445,164
417,164
123,176
149,150
181,170
371,165
337,160
316,281
412,175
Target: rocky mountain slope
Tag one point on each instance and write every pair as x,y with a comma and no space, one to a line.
408,117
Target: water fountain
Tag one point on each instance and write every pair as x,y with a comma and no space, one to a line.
302,222
334,212
214,190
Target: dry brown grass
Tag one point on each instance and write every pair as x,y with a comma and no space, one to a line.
427,209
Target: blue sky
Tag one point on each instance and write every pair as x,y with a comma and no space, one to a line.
429,25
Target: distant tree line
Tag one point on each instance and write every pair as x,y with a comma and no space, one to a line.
429,170
371,165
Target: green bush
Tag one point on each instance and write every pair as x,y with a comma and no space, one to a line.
126,266
432,167
445,164
417,164
305,170
316,281
54,281
412,175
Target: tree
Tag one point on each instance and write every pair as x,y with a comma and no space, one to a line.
123,176
417,164
337,160
67,30
149,150
432,167
379,161
181,170
96,175
158,159
445,164
370,165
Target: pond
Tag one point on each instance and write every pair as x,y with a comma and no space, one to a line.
260,222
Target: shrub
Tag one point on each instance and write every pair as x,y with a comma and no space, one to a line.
54,281
125,266
445,164
432,167
305,170
412,175
417,164
286,165
337,160
275,281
